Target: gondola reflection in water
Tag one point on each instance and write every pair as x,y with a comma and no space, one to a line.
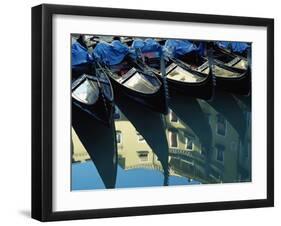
186,157
157,112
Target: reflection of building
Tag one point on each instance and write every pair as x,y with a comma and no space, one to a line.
79,153
245,155
184,149
180,136
221,162
226,158
133,151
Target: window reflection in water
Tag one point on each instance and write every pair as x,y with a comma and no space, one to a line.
226,159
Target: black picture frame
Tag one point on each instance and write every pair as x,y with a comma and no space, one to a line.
42,111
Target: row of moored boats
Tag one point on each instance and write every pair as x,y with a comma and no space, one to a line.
150,71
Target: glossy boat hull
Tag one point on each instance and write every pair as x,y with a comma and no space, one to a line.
241,85
81,69
102,109
156,102
97,110
202,90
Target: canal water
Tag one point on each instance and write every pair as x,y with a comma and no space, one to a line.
197,142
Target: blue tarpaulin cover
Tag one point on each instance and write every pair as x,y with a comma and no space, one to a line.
110,53
238,47
181,47
80,54
148,45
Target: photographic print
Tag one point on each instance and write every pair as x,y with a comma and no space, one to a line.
138,112
152,112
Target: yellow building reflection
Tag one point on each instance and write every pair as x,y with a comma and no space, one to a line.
79,153
133,150
225,158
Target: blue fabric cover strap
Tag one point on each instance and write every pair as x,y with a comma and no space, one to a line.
79,54
148,45
181,47
238,47
110,53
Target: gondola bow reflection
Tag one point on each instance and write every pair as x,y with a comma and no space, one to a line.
99,141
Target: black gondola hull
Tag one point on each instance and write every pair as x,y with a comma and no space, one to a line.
102,110
202,90
241,85
156,102
81,69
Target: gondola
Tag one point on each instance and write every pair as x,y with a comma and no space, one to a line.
150,126
232,71
161,41
181,76
94,95
127,40
126,76
234,49
100,143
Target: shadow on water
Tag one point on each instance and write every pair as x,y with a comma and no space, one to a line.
99,141
246,100
225,104
228,106
203,162
150,125
190,112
